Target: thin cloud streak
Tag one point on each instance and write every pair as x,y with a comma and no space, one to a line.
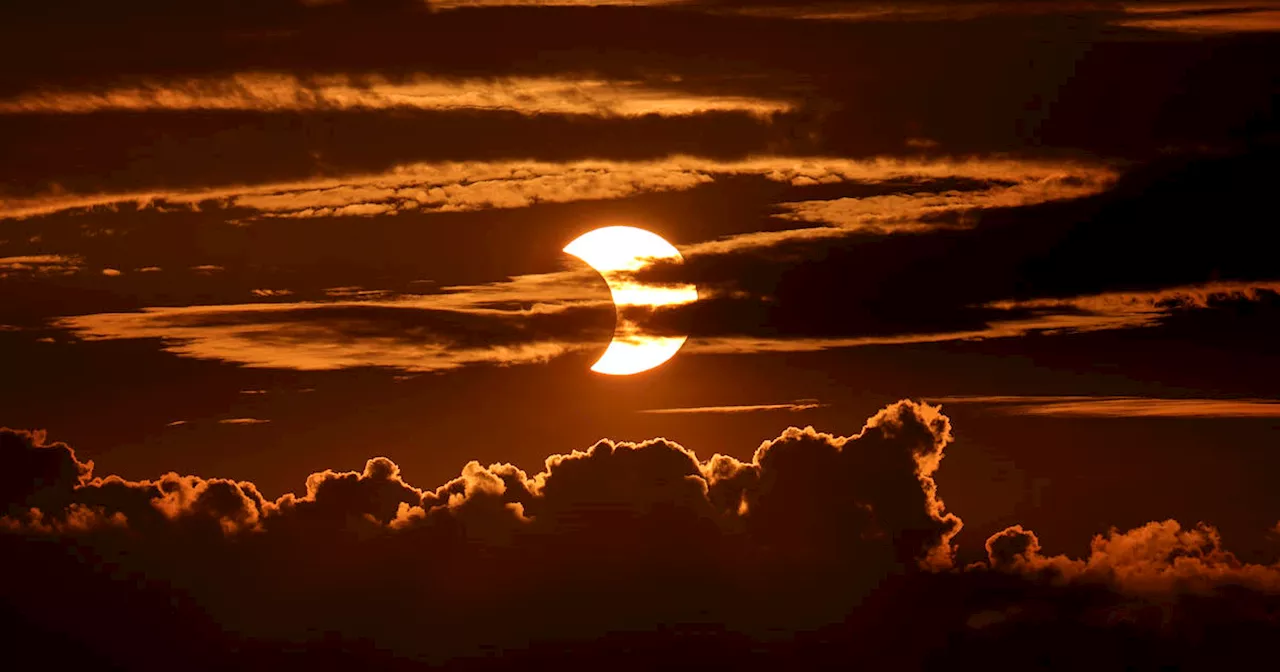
39,264
279,339
312,345
444,5
1081,314
273,92
470,186
801,405
1122,407
1206,18
901,212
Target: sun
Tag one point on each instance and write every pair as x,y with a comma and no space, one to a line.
615,252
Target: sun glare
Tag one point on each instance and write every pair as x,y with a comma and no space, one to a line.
615,252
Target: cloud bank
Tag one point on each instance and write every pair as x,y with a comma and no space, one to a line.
815,534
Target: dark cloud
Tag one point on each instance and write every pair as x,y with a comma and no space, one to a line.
1038,82
1178,221
643,547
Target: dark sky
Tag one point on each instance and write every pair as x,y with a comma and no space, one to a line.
248,247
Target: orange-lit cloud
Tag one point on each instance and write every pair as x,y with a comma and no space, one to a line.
279,92
902,212
465,4
856,11
801,405
1095,312
302,336
39,264
464,186
1123,407
1204,17
220,333
731,540
1158,558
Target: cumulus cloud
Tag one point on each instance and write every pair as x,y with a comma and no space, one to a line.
814,532
1158,558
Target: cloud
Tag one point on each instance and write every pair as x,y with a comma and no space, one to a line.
1010,319
410,333
879,11
913,212
1123,407
242,421
39,264
802,405
1158,558
535,318
816,534
1203,17
282,92
467,186
444,5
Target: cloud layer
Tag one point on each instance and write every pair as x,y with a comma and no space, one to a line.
620,537
281,92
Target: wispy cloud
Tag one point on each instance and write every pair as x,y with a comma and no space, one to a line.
904,212
1204,17
525,320
532,319
465,4
281,92
242,421
468,186
798,405
863,10
39,264
1123,407
1080,314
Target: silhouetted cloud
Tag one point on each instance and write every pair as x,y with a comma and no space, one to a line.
464,186
620,537
1200,17
268,92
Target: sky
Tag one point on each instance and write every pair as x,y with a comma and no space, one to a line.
300,371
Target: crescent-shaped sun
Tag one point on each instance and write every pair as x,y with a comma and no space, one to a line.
615,252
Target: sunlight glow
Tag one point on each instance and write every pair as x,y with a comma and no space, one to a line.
615,252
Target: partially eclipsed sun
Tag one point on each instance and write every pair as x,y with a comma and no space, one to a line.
615,252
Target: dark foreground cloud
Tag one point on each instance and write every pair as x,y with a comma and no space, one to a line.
821,551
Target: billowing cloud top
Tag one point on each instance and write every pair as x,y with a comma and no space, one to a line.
628,532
